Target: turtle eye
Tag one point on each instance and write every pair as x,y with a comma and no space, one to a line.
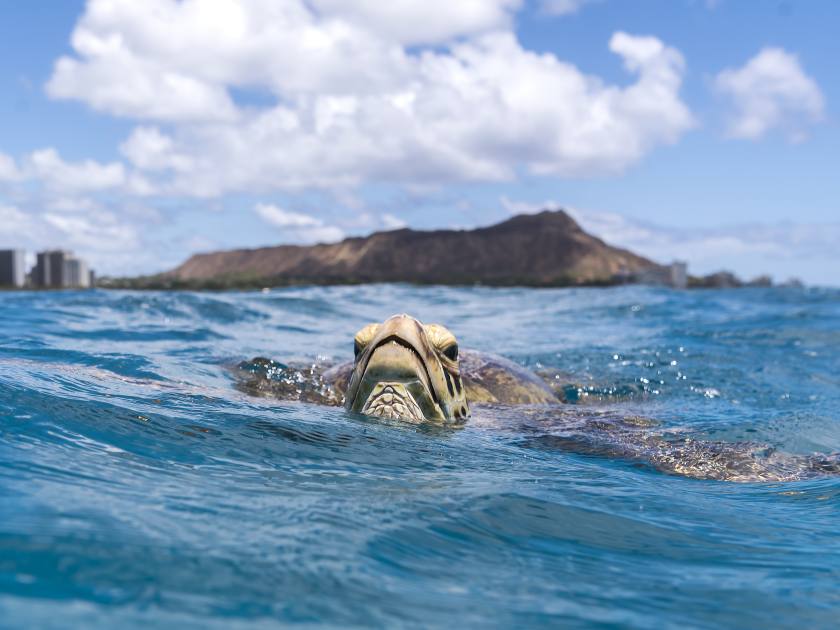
363,338
451,352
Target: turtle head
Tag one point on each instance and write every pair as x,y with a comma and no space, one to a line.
405,369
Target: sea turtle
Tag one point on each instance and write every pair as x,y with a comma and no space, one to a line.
414,372
404,369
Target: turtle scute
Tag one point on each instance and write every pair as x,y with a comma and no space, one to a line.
489,378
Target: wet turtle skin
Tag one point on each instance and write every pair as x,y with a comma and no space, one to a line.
488,378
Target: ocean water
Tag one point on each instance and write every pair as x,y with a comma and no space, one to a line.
140,488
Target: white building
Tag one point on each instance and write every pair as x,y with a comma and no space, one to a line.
679,274
76,274
674,275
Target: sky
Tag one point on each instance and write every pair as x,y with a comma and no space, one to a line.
138,133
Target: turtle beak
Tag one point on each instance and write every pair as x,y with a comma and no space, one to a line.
398,375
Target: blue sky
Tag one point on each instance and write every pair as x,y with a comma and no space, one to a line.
138,133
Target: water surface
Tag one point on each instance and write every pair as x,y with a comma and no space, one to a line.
139,487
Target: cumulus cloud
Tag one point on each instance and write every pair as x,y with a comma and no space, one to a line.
99,231
475,113
176,60
170,60
283,96
48,167
770,90
297,226
150,150
429,21
353,102
44,175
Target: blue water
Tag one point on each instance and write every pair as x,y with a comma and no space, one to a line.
140,488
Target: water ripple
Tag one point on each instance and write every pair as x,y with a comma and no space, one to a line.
139,487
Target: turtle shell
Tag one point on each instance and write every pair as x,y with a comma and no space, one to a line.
489,378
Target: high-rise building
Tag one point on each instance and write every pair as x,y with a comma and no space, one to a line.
56,263
76,274
49,269
12,269
39,276
60,269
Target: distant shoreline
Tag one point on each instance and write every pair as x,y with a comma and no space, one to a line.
132,284
548,249
136,284
544,250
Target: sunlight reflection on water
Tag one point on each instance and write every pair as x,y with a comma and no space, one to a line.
138,485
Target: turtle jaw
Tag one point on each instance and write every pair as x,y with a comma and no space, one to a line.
398,375
396,384
393,400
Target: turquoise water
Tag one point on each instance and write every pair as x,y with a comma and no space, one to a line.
139,487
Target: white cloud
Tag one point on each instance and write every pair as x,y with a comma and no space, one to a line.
83,206
99,231
299,227
366,222
514,206
770,90
49,176
283,218
49,168
72,204
8,169
322,234
422,22
266,96
139,185
172,60
563,7
390,222
476,113
169,60
15,225
149,149
353,103
107,239
119,70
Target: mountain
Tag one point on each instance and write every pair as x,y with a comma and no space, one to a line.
545,249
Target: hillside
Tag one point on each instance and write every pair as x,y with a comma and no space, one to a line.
545,249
